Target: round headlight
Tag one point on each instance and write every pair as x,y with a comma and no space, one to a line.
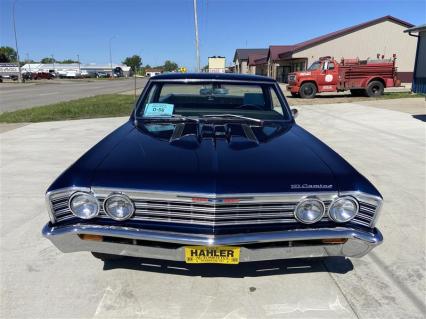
119,207
309,211
343,209
84,205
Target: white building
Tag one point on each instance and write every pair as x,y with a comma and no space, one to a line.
216,64
76,68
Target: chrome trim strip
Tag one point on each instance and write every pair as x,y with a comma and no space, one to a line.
251,198
183,81
215,223
212,216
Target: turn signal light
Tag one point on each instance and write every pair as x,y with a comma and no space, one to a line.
334,241
91,237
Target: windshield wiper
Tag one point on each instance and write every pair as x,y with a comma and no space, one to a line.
173,118
234,116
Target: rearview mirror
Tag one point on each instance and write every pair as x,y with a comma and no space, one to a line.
294,112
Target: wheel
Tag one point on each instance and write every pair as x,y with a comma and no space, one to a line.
308,91
375,88
357,92
105,257
294,94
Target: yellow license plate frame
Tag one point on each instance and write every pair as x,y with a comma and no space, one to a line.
212,255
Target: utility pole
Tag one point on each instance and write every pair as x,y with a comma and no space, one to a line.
29,63
196,36
78,59
110,56
53,61
16,43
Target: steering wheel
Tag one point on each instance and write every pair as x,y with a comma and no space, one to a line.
251,107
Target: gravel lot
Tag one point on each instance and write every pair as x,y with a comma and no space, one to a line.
38,281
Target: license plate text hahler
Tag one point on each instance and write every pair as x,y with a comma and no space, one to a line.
212,255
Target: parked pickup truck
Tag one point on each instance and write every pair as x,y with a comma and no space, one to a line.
361,77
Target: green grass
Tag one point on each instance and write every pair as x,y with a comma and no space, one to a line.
111,105
399,95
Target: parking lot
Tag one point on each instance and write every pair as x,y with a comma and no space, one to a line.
38,281
15,96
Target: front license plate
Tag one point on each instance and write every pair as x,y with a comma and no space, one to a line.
212,255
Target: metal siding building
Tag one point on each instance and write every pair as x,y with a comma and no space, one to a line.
419,77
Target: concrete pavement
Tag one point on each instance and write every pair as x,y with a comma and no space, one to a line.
23,96
38,281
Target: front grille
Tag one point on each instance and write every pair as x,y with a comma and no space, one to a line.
182,211
215,214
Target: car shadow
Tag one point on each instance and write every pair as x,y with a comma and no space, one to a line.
339,265
420,117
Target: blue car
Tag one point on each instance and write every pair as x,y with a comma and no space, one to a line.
212,168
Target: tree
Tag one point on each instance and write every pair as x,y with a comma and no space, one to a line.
47,60
68,61
133,61
7,55
170,66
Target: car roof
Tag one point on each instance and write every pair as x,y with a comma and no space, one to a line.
212,76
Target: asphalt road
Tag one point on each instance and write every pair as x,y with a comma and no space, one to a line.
38,281
15,96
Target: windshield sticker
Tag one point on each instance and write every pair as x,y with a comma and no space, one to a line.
158,110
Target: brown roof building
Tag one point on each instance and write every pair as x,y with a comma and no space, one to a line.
382,36
241,58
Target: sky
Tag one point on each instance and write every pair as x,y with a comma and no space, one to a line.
158,30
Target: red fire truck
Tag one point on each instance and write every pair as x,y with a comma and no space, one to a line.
361,77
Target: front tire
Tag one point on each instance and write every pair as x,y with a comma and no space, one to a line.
375,88
308,91
105,257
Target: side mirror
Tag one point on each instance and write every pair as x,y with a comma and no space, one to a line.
294,112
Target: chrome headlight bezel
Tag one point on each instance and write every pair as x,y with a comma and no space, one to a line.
339,199
122,197
303,202
92,197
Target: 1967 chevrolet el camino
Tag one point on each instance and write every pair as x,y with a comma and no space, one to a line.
212,168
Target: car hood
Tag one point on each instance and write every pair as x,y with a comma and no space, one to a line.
214,159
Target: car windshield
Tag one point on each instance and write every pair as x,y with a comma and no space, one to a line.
315,66
209,100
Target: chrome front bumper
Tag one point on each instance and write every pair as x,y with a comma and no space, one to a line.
156,244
